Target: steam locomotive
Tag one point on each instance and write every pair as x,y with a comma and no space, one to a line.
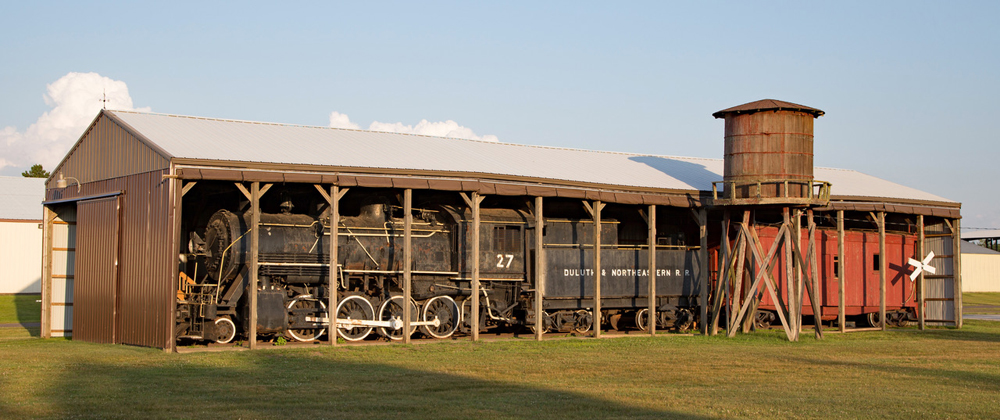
293,263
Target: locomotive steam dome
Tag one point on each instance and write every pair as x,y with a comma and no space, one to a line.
768,153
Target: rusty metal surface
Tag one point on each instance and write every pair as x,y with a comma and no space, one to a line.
767,105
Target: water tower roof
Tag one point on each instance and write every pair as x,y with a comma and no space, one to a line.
767,105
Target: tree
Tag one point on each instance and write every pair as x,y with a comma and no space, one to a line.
36,172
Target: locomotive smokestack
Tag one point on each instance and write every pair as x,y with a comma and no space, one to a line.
768,152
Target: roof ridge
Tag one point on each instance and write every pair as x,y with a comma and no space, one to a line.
534,146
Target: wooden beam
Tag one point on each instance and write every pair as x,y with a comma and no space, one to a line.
761,273
247,194
254,256
703,267
779,305
881,269
790,278
815,293
797,269
921,295
188,187
176,203
539,269
651,241
323,193
407,262
48,216
841,300
596,211
333,284
956,264
722,275
474,203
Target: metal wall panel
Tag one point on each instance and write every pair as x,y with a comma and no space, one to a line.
20,243
981,272
106,151
95,284
143,296
939,288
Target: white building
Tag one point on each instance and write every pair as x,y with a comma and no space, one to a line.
980,268
21,234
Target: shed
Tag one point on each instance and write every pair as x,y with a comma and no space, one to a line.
980,268
20,234
120,198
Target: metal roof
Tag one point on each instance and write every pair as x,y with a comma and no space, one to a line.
21,198
971,248
968,234
766,105
245,141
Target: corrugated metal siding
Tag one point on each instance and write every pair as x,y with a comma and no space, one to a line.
940,285
106,151
96,282
145,258
146,261
981,272
20,247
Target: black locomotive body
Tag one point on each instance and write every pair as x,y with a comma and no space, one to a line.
293,272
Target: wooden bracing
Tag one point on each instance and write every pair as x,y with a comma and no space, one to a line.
743,260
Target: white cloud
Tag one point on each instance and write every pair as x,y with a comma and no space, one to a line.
440,129
75,100
338,120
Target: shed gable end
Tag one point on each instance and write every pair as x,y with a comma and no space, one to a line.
107,150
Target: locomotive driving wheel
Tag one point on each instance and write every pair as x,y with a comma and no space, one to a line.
446,311
393,309
354,308
304,313
225,330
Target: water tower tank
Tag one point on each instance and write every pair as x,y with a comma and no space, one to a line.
768,151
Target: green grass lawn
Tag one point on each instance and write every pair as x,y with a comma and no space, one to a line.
20,308
903,373
981,303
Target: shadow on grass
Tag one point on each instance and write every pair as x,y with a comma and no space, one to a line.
973,380
295,384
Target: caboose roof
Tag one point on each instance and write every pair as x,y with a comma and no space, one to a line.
229,143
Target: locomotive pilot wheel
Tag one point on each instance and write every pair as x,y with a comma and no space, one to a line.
355,308
302,314
446,311
393,308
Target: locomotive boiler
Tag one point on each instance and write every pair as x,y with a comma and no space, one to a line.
293,272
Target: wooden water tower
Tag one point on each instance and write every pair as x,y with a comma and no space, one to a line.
768,171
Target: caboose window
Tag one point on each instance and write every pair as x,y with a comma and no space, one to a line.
876,262
506,238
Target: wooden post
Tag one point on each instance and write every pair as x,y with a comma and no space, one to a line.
703,267
254,241
817,294
881,269
597,267
797,269
407,261
841,300
539,269
793,316
733,309
177,190
956,264
921,296
48,217
473,204
651,240
335,195
722,276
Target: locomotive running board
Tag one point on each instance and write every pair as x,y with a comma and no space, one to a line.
394,323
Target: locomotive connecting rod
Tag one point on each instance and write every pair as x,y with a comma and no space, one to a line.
394,323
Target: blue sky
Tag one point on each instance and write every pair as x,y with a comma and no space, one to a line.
910,88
